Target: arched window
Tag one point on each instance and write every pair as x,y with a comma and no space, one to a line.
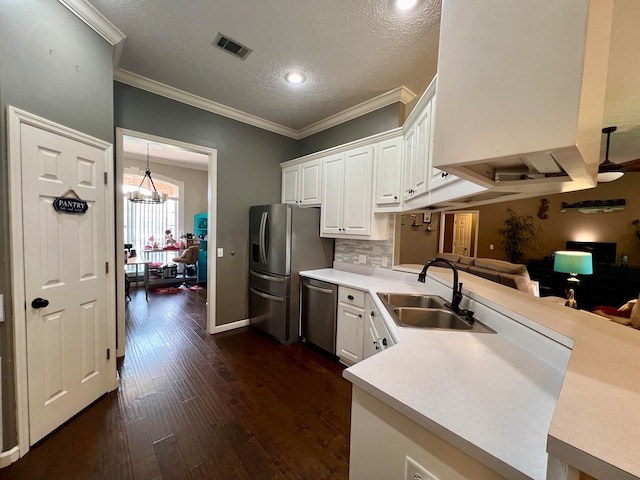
146,224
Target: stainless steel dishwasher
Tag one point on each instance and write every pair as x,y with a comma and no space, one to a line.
318,313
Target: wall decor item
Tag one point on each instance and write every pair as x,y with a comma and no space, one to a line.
595,206
426,217
542,211
70,202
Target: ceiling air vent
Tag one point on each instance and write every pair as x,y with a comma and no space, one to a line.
231,46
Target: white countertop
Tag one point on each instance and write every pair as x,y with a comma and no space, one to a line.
494,395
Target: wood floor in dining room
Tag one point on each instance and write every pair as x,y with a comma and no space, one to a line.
236,405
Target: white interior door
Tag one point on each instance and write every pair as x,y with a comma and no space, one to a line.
65,259
462,233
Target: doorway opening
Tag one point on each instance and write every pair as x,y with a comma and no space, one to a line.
178,166
459,232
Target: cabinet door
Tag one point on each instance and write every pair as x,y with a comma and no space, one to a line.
388,162
409,159
290,184
358,174
332,188
420,164
310,192
349,335
371,339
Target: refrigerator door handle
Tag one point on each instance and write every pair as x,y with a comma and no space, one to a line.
267,277
263,241
266,295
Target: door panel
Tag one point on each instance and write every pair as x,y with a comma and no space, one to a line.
65,256
462,234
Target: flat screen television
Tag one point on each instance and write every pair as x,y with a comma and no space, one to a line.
602,252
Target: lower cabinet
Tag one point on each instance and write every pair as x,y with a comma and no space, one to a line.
350,325
376,335
361,332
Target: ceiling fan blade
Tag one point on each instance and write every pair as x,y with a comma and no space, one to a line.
630,166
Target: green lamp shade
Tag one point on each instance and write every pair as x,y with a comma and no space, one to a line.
573,262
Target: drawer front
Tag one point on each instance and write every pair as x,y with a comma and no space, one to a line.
349,296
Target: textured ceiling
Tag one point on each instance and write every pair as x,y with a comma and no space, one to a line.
350,50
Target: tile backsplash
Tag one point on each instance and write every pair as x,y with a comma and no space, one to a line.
379,253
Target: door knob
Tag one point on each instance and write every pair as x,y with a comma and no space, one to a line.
39,303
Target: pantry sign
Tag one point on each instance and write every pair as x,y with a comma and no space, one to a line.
70,202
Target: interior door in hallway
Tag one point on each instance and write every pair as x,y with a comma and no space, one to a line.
65,277
462,233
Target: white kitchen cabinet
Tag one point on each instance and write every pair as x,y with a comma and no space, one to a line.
376,334
388,175
418,143
302,184
347,205
351,325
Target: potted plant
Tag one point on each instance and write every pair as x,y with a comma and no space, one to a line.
515,235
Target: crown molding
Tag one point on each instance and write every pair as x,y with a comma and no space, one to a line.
163,90
94,19
400,94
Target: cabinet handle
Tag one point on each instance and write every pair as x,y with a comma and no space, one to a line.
360,315
384,342
373,313
350,297
395,197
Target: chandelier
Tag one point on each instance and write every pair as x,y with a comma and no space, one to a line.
138,196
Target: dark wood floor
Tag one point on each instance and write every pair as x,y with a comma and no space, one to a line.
193,406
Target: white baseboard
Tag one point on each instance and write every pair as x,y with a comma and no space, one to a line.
10,456
230,326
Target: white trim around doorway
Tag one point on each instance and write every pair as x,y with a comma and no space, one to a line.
15,119
212,155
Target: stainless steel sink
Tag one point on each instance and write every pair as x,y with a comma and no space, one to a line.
428,311
430,318
409,300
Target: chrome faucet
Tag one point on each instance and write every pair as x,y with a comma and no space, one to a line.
456,298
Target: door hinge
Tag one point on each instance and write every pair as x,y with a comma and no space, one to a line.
106,267
105,178
108,354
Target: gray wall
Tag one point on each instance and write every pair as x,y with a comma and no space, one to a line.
248,174
381,120
38,59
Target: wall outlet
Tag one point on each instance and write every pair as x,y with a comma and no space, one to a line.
362,259
384,261
415,471
491,247
220,252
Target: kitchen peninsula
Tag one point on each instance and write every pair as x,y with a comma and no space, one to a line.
551,394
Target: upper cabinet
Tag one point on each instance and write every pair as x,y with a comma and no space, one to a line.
302,184
348,177
418,135
388,175
521,90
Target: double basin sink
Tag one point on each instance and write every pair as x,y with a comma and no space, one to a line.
428,311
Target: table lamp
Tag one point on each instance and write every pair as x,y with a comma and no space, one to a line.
573,263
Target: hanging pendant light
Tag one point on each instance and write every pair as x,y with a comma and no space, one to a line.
138,196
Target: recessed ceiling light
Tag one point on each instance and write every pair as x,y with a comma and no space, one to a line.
295,77
405,4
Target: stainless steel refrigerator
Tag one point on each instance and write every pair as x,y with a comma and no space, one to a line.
284,239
